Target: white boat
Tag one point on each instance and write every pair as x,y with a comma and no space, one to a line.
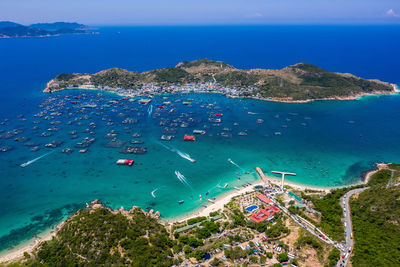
128,162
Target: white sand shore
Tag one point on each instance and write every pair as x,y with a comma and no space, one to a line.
28,246
379,166
219,203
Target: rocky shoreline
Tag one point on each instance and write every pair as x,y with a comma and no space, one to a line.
299,83
30,246
272,99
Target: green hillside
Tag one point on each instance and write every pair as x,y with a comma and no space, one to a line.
301,81
376,222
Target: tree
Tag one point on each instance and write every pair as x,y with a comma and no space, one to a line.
184,239
253,259
187,249
215,262
194,242
198,254
263,259
283,257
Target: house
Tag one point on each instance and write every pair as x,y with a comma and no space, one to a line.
265,214
264,198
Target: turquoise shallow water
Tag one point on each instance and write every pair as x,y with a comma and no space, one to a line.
39,196
329,143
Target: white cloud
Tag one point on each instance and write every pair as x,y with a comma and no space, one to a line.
254,15
391,13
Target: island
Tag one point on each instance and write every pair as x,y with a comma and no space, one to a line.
301,82
10,29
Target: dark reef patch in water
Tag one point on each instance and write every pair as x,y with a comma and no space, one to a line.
356,171
39,223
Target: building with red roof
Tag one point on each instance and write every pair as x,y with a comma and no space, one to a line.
265,214
264,198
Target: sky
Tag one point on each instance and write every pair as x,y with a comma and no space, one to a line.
202,12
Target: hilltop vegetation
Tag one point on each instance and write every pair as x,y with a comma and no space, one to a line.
376,222
301,81
99,237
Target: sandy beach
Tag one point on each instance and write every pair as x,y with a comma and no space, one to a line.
18,252
379,166
269,99
28,246
220,202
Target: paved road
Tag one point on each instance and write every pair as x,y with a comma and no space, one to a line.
307,225
344,202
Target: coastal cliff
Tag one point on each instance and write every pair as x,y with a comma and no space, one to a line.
297,83
99,235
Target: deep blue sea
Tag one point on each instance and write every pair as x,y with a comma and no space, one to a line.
329,143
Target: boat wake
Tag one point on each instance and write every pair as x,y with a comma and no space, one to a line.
152,192
183,180
231,161
185,156
225,186
177,151
23,165
150,111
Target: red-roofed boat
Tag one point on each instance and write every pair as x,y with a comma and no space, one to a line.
189,138
128,162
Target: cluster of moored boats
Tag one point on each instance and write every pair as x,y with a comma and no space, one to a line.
74,123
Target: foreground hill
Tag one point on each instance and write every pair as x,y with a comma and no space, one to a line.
100,236
376,221
298,82
10,29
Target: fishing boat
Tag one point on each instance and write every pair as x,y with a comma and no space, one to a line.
166,137
199,132
144,101
128,162
90,106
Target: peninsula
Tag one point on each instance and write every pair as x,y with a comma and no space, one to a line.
10,29
301,82
264,224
